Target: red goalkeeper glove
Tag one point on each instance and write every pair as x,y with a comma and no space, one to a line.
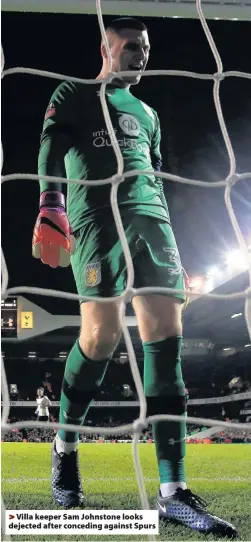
53,241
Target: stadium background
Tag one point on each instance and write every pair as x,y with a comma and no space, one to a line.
191,145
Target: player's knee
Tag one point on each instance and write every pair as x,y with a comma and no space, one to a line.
169,325
159,317
101,344
164,330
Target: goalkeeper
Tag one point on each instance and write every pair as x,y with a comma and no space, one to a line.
75,144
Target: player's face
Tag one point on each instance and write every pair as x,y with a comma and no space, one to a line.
131,52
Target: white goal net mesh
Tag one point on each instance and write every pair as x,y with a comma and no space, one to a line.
120,176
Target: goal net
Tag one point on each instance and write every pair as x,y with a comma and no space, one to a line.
123,7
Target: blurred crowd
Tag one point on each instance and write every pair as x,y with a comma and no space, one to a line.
47,435
212,379
215,379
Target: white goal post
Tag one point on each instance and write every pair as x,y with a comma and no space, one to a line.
212,9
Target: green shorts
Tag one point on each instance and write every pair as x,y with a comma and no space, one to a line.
99,265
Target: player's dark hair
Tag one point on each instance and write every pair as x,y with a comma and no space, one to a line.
40,389
126,22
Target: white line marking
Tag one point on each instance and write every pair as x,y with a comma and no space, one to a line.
95,480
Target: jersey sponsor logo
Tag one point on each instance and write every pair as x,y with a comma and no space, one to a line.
93,274
125,143
129,124
51,110
101,138
102,133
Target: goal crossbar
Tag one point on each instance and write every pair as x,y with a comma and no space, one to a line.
213,9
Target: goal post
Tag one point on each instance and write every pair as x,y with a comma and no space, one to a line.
212,9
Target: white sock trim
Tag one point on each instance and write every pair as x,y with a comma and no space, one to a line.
168,488
65,447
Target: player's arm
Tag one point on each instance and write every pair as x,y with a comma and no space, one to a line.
52,239
157,160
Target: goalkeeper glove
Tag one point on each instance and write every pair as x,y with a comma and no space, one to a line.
53,241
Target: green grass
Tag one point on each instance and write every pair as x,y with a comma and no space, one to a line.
220,474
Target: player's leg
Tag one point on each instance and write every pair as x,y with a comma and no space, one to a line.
43,418
159,321
160,325
99,272
84,372
86,367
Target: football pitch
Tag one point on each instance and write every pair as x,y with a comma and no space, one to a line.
219,473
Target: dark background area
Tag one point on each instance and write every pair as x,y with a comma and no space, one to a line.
192,144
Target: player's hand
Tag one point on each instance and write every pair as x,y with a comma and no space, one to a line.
53,242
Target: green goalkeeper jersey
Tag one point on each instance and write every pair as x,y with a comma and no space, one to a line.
75,144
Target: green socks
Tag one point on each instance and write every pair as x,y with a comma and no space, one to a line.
165,393
164,390
82,378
